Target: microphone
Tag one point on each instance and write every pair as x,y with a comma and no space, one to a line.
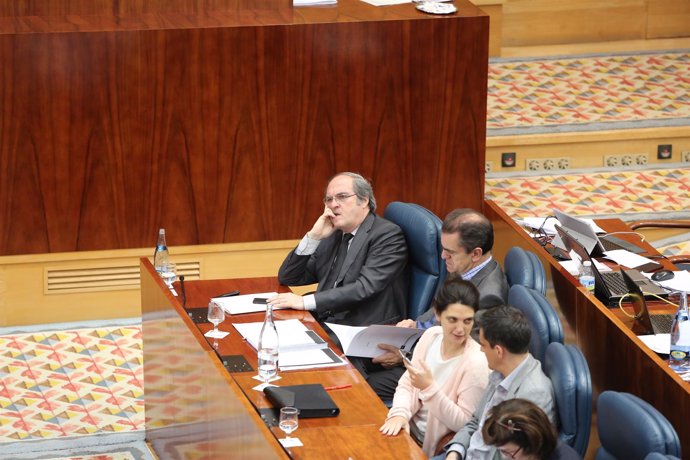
183,292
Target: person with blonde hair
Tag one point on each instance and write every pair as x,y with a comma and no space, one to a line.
522,431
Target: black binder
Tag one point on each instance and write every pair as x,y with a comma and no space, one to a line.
312,400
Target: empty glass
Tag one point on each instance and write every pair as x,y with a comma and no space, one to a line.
216,315
288,420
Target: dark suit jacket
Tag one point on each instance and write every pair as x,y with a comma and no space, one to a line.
492,286
372,284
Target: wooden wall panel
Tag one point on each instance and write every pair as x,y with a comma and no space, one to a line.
228,134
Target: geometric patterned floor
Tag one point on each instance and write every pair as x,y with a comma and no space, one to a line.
630,195
71,383
587,92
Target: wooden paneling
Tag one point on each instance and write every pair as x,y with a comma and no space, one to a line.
228,134
668,19
544,22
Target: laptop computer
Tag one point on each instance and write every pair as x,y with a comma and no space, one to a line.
609,287
646,323
589,239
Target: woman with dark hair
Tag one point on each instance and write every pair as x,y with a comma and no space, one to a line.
522,431
447,375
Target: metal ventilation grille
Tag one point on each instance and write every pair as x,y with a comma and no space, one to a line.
89,279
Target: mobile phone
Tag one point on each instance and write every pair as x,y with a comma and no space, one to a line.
403,355
260,300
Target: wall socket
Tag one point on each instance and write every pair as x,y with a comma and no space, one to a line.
488,166
685,156
547,164
626,159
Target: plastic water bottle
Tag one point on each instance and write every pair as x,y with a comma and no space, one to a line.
679,356
268,347
587,276
161,255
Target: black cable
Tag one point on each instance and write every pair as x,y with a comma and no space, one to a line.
183,292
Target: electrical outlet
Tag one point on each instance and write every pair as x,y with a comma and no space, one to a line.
549,164
642,159
508,159
563,163
685,156
534,164
627,160
488,166
664,151
611,161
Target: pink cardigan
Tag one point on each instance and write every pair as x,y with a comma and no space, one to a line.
451,405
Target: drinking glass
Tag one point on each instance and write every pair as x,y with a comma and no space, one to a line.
216,315
288,420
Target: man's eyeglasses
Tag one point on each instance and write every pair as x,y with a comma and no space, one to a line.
339,198
507,454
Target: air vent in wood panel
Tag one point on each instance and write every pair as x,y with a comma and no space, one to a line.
60,280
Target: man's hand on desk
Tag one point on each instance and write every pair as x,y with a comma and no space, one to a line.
391,358
287,300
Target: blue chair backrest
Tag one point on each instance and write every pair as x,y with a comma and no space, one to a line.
422,230
567,368
631,428
541,316
658,456
525,268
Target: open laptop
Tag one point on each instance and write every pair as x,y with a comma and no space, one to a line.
609,287
588,238
648,324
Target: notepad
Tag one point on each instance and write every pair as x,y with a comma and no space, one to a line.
364,341
240,304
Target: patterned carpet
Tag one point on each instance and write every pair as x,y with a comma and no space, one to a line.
85,385
588,93
70,384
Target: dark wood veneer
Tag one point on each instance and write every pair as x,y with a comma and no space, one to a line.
222,124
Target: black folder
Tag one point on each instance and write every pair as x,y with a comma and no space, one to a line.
312,400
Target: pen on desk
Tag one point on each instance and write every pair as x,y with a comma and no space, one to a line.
230,294
339,387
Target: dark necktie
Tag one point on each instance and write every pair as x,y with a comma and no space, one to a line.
339,260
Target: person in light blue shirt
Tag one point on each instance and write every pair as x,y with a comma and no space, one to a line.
504,336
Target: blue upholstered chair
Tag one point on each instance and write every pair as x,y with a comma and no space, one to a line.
543,319
658,456
567,368
525,268
422,231
631,428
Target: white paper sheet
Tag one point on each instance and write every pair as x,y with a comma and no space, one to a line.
626,258
292,335
240,304
364,341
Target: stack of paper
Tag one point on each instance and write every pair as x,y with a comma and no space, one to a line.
239,304
300,347
292,335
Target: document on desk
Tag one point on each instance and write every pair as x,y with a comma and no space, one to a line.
308,359
627,258
292,335
313,2
679,282
240,304
364,341
386,2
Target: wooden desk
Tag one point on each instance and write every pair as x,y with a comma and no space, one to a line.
617,359
353,433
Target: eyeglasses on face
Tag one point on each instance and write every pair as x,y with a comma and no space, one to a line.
508,454
339,198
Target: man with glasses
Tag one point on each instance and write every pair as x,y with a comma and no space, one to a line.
467,238
358,258
504,336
